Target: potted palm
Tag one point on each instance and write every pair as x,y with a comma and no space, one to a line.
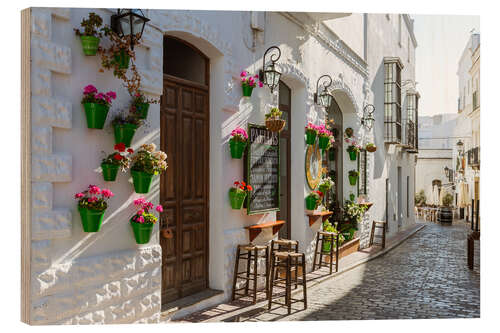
238,142
96,106
353,177
143,221
91,35
313,200
273,121
311,132
114,161
124,128
147,163
92,205
248,82
238,193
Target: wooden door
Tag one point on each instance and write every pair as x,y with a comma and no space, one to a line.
184,187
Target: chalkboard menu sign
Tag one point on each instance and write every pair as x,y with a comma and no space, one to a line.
262,170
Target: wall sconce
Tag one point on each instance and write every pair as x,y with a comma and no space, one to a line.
447,172
270,76
368,119
129,22
324,98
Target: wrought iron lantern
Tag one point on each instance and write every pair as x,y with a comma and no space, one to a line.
323,98
129,22
368,119
269,75
460,147
447,172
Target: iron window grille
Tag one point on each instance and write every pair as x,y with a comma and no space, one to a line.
411,123
392,101
473,157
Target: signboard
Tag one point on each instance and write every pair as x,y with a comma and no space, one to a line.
262,170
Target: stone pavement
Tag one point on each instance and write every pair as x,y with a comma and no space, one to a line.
425,277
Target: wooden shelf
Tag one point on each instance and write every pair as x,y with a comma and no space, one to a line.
255,229
313,217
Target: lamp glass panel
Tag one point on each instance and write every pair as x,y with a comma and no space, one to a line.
325,99
125,25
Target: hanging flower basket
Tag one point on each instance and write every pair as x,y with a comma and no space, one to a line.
237,148
247,90
142,181
323,142
122,58
353,155
371,147
275,125
142,110
124,133
96,114
142,231
237,198
353,180
91,219
90,44
109,171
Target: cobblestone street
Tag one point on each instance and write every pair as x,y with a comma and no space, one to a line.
425,277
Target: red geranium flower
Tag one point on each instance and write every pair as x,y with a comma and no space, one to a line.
120,147
130,150
249,188
118,157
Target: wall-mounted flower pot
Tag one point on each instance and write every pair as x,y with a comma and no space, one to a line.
122,58
327,246
142,231
352,197
109,171
353,155
124,133
310,137
323,142
236,198
91,219
237,148
353,180
311,203
275,125
323,189
90,44
247,90
371,149
96,114
142,110
142,181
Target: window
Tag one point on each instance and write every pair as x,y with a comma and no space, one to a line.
411,120
362,189
392,101
184,62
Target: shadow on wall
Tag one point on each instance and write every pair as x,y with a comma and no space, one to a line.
378,128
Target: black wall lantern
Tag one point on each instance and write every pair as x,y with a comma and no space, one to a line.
447,172
129,22
269,75
323,98
368,119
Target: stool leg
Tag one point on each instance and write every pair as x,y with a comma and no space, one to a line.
271,282
304,289
256,257
337,254
331,255
383,237
288,295
267,272
315,251
235,278
372,232
249,255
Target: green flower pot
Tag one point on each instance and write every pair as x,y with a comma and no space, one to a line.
109,171
352,197
310,137
142,231
323,142
124,133
96,114
352,155
327,246
91,219
237,148
236,198
311,203
353,180
142,181
323,189
247,90
142,110
331,154
122,58
90,44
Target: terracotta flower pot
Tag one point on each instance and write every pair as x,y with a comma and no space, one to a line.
236,198
96,114
91,219
237,148
142,231
90,44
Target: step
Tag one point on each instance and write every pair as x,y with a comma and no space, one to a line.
192,303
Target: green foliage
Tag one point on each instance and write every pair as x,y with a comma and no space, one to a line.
420,198
274,113
148,160
129,119
353,173
91,26
328,227
447,200
353,212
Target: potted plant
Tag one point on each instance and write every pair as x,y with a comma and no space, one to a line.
352,196
325,138
118,55
445,212
325,184
371,147
353,177
313,200
96,106
327,245
91,35
238,142
238,193
273,121
143,221
311,132
140,105
92,205
420,198
115,161
353,147
124,128
349,132
146,164
248,82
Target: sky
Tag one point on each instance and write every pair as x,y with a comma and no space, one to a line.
441,40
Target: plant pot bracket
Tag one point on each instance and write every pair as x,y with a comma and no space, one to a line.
255,229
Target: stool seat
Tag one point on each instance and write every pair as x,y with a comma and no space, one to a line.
282,254
327,233
252,247
285,242
381,225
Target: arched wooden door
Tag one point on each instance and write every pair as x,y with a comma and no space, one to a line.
184,186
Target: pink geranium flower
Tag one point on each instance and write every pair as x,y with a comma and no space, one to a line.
159,209
94,189
107,193
139,201
140,212
243,73
140,219
111,94
92,199
79,195
90,89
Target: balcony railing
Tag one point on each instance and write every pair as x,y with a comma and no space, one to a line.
473,157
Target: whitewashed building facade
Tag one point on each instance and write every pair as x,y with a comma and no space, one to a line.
71,277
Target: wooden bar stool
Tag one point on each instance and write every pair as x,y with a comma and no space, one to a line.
287,260
285,245
323,237
251,253
381,225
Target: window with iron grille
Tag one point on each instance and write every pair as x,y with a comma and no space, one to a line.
412,120
362,172
392,101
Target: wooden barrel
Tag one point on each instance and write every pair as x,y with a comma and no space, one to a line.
445,215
